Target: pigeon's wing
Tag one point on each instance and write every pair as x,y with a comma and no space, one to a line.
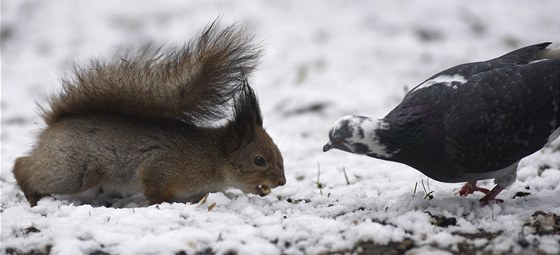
469,70
500,116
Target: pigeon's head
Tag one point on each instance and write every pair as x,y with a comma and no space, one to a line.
345,132
357,134
342,130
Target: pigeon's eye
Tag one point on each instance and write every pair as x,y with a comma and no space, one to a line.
259,161
338,141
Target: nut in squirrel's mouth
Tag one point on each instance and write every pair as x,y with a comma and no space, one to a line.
263,190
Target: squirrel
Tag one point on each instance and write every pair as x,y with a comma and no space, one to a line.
147,121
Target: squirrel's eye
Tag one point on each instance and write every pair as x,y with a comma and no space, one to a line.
259,161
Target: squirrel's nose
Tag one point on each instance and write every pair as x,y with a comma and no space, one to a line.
281,181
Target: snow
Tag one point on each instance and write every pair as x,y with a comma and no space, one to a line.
323,60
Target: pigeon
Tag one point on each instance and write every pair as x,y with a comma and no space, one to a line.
471,122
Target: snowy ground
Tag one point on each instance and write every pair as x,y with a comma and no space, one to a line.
324,59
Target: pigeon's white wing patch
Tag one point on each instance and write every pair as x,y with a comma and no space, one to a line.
452,81
537,61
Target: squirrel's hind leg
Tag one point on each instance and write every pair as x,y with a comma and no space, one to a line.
44,173
21,173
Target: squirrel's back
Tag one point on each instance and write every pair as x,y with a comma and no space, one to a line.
195,82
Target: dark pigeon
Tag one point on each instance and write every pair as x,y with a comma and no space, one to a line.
471,122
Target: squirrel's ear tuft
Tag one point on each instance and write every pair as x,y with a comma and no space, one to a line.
246,105
247,116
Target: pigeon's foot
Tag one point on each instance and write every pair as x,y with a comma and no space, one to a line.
491,196
470,187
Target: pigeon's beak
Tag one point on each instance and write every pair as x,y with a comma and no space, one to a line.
327,147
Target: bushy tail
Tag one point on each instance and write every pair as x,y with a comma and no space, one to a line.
195,82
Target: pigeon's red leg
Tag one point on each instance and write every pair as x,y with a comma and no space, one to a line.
470,187
467,189
491,196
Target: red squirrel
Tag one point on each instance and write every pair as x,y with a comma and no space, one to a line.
147,121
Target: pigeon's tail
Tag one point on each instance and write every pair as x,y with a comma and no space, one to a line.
531,53
550,54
